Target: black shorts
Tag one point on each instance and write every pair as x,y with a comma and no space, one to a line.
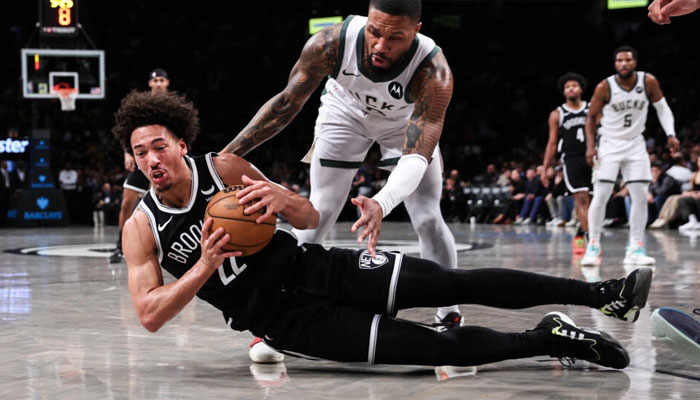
334,303
577,174
137,182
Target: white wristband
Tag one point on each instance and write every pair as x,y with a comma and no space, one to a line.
403,180
663,112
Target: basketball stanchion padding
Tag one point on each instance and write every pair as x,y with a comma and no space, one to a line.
247,235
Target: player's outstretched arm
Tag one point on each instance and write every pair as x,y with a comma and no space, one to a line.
317,60
601,95
431,91
155,303
551,148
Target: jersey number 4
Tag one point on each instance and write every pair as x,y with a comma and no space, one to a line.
579,135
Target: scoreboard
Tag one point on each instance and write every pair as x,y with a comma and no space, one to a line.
58,17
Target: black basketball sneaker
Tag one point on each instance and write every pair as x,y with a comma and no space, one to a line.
624,297
572,342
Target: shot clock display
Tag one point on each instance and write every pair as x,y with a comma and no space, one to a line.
58,17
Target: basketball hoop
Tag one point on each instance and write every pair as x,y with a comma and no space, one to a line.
67,95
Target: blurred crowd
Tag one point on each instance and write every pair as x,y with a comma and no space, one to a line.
496,123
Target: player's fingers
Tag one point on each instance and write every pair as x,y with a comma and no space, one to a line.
223,240
362,221
230,254
262,218
373,240
205,228
216,235
247,180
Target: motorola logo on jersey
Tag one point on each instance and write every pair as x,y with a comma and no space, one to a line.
395,90
638,89
367,262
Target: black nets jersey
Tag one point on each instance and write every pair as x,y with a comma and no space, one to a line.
237,287
572,135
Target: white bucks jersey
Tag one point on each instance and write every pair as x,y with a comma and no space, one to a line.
355,90
625,115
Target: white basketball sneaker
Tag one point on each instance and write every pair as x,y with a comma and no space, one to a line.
637,255
592,256
264,354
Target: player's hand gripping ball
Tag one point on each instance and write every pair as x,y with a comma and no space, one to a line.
247,236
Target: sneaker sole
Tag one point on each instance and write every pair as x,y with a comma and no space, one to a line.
640,293
674,338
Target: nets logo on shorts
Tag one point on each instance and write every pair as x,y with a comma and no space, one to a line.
367,262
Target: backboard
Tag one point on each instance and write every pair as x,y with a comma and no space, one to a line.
44,69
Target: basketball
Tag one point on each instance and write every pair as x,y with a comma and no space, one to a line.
247,235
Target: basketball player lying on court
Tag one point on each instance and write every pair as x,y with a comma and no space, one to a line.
336,304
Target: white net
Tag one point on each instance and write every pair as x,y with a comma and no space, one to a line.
67,97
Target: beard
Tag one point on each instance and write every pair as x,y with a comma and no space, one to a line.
627,75
573,98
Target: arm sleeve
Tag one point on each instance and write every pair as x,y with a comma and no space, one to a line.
403,180
663,111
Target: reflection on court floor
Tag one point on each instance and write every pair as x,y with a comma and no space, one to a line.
69,329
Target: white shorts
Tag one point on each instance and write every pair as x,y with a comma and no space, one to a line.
342,140
629,157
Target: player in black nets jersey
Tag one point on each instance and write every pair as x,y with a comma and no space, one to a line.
336,304
567,136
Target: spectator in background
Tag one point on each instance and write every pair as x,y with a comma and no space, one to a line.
689,204
68,181
491,176
453,202
534,196
680,171
662,186
512,207
556,198
107,205
18,176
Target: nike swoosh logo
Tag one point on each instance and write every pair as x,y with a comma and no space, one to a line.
161,227
208,191
345,72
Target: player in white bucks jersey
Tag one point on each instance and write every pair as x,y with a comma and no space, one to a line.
385,83
623,100
566,136
309,301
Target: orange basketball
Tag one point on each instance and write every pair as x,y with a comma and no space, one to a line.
247,235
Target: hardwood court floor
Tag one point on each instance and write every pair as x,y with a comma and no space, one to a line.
68,330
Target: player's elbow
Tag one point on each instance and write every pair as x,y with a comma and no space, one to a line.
151,324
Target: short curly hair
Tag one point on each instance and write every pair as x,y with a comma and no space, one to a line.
571,76
168,109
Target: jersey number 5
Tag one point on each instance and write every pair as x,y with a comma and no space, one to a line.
628,120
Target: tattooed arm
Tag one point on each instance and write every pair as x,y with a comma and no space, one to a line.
431,90
318,58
